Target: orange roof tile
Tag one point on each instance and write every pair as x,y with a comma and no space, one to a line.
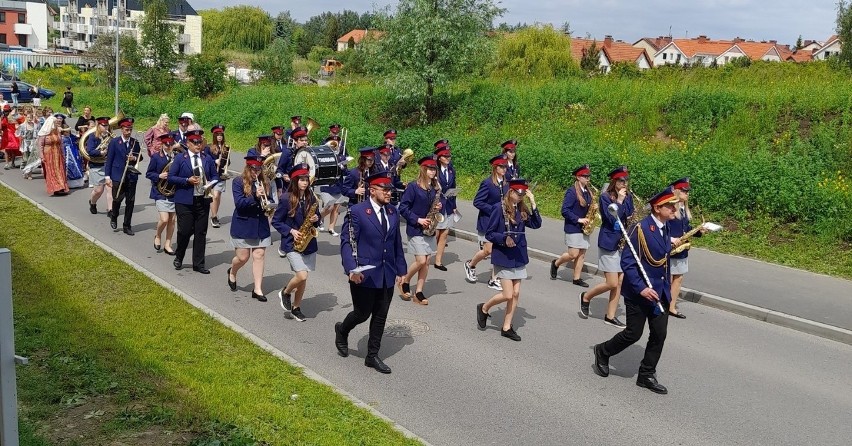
615,51
799,56
358,35
692,47
756,50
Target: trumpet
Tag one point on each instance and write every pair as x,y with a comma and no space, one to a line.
136,150
265,204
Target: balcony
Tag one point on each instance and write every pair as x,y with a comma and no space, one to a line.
64,42
82,29
80,45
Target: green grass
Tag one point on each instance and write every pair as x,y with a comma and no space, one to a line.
96,334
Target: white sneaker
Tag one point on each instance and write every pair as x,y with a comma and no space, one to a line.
281,253
495,284
333,233
321,228
470,272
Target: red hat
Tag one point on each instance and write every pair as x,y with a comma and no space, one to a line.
499,160
666,196
299,132
299,170
442,143
428,161
253,160
103,120
278,130
367,152
126,122
296,118
390,133
7,107
444,151
582,171
619,172
218,128
384,149
165,137
382,179
509,145
194,135
518,184
264,139
334,127
682,184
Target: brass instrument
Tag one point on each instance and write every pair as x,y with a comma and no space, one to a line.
265,204
102,147
311,126
404,160
224,161
640,211
592,214
163,185
684,244
434,216
270,166
308,230
134,169
361,184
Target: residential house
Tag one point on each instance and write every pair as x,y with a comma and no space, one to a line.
768,51
354,38
697,51
652,45
810,46
82,21
831,48
24,24
611,52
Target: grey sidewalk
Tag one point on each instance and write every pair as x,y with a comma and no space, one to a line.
805,301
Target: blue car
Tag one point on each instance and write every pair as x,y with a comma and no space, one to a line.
25,93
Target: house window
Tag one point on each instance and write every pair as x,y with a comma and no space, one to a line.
181,49
22,40
2,38
22,18
664,56
2,17
678,59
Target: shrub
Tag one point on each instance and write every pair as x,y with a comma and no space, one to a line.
275,63
207,72
539,52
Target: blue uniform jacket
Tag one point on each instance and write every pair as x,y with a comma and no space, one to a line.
91,149
395,179
207,151
285,162
513,171
495,232
395,156
448,204
658,247
573,211
249,221
415,203
283,223
350,184
678,227
116,158
181,171
382,251
155,167
609,236
487,196
178,137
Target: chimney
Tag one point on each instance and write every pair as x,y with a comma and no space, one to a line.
774,42
607,41
738,39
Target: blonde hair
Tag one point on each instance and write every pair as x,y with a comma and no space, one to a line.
161,122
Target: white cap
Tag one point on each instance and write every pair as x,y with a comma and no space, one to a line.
188,115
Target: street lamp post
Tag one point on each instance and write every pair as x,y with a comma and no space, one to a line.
117,35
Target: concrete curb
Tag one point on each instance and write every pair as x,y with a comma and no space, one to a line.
310,374
762,314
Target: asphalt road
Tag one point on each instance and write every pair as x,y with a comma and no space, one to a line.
732,380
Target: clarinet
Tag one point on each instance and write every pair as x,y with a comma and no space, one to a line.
352,241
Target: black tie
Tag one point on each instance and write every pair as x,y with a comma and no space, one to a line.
382,221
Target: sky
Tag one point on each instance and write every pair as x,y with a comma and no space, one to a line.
628,20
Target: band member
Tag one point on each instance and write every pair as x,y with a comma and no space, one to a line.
421,198
645,293
281,145
491,191
575,207
295,122
506,231
297,205
331,195
97,176
384,165
192,173
371,238
219,152
510,150
263,149
354,186
250,234
396,152
165,206
185,122
333,130
609,239
300,152
447,178
122,154
680,226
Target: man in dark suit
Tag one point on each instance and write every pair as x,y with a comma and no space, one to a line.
370,236
194,174
646,292
122,154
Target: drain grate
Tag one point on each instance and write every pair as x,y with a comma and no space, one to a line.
405,328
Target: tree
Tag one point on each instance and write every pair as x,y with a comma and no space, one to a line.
591,59
566,28
538,52
429,42
798,43
103,53
240,28
844,32
158,43
275,63
284,26
207,72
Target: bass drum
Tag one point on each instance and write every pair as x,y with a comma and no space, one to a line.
322,163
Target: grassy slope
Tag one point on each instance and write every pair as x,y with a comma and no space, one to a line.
96,328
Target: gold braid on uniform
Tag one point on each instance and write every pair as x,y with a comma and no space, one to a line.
643,247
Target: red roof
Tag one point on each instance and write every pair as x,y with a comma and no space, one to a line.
756,50
357,35
615,51
702,46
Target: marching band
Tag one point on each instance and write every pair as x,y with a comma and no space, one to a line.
642,248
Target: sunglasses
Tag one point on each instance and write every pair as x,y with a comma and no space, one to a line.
585,176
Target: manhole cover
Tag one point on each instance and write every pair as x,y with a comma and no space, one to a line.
405,328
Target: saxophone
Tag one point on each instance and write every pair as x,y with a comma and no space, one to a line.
434,216
684,245
308,230
592,214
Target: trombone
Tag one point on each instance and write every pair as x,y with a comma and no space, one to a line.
134,169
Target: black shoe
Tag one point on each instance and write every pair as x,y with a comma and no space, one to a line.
93,207
440,267
168,253
678,315
601,362
584,306
178,264
376,363
128,230
510,333
650,383
580,282
284,300
481,318
157,247
231,285
340,341
553,269
614,322
214,222
201,269
298,315
113,223
259,297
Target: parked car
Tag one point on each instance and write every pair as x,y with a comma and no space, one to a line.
24,95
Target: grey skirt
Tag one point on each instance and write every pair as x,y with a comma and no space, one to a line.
481,237
331,199
247,243
96,176
609,261
447,223
679,266
577,241
302,262
165,205
220,186
420,245
510,273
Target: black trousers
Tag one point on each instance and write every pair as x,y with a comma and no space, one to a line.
192,222
129,200
636,317
368,302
